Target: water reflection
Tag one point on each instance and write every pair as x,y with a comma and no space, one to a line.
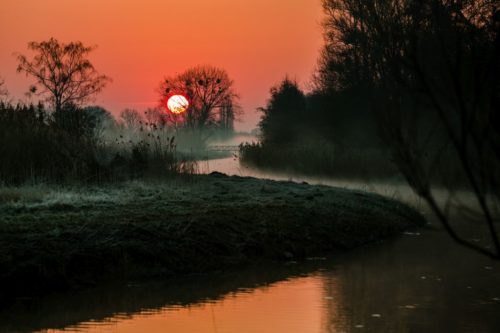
289,306
417,283
109,305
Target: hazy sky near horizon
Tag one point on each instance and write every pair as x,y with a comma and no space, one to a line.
258,42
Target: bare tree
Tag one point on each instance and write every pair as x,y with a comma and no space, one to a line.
156,117
227,115
131,118
63,72
433,67
453,67
208,89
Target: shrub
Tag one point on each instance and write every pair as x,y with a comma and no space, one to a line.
320,158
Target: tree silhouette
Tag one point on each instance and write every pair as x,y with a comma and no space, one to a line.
283,114
131,118
101,118
227,114
433,68
210,92
157,117
63,72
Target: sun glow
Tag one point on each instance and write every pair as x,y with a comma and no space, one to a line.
177,104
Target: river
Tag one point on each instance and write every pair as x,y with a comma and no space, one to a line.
418,282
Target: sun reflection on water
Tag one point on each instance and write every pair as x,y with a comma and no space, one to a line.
294,305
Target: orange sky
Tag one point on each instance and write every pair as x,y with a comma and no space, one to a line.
139,41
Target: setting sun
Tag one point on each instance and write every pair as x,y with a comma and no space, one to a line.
177,104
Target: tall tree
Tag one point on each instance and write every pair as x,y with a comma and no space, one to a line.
208,89
433,67
284,113
63,72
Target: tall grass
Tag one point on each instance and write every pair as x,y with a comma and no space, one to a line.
41,146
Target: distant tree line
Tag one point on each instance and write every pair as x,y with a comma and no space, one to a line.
332,134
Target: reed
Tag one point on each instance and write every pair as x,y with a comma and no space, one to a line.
37,145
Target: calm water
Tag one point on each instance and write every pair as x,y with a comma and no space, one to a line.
419,282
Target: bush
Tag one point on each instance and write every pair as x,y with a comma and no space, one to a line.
318,158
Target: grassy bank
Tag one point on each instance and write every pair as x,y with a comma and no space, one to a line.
54,238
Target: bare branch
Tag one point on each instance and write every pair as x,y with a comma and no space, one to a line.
63,72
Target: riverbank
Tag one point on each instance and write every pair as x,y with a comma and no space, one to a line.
57,238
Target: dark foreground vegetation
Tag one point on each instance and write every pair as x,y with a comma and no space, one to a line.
56,238
82,145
